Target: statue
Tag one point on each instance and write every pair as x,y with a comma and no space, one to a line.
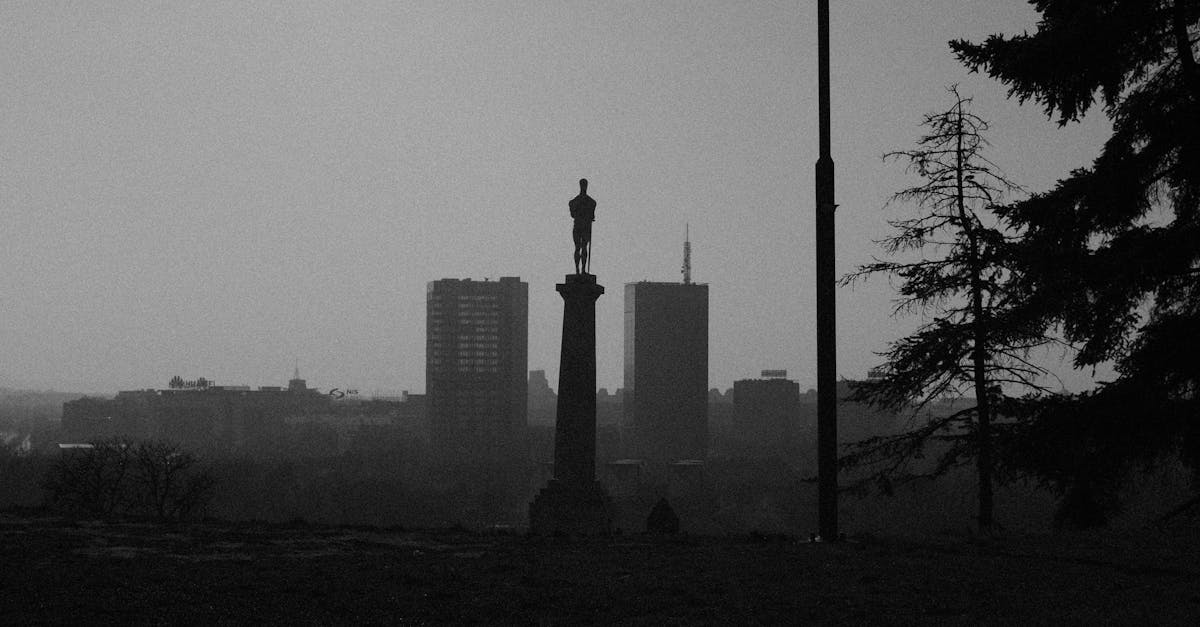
583,211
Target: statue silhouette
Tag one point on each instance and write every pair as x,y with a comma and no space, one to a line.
583,211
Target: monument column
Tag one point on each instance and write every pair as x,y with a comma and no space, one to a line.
573,502
575,425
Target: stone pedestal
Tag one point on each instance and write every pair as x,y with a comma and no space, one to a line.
563,509
573,503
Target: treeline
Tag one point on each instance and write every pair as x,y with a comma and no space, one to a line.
1104,267
119,476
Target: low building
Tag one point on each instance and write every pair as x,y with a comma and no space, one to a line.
271,420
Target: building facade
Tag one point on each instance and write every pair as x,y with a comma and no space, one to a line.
227,419
767,416
666,371
543,402
476,359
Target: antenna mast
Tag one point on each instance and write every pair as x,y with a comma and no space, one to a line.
687,255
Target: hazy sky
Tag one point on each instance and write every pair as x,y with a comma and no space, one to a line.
220,189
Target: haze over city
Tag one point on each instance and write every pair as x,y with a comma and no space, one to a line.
224,190
604,313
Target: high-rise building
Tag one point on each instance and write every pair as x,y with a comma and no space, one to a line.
666,370
767,414
476,356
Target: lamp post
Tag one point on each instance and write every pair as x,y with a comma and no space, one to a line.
827,509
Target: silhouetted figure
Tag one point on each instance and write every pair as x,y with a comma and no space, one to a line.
662,519
583,211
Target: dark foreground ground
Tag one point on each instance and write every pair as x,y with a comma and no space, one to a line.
56,571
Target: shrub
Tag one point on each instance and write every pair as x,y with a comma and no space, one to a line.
119,476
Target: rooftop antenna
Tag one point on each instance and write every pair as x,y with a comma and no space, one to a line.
687,255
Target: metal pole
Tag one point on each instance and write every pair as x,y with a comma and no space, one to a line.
827,510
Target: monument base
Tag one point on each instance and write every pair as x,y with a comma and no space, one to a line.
565,510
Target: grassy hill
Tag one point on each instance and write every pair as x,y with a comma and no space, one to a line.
57,570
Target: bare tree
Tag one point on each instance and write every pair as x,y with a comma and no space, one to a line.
166,482
121,476
92,479
973,340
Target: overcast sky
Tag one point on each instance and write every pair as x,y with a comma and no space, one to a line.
222,189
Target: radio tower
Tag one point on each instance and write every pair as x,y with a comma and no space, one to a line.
687,256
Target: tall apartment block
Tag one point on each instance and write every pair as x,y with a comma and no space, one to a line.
476,360
666,370
767,414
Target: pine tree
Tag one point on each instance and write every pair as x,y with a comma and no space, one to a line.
971,344
1111,254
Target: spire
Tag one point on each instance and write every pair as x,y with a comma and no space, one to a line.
297,384
687,254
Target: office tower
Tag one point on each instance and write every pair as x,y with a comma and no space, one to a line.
476,355
767,414
666,370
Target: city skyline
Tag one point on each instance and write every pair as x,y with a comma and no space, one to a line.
222,192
